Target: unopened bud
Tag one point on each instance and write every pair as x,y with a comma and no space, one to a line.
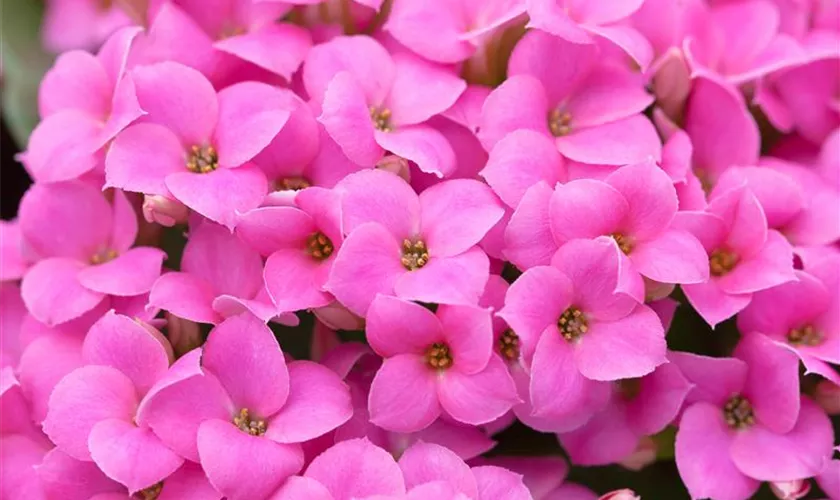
827,395
183,334
161,210
644,455
621,495
790,490
396,165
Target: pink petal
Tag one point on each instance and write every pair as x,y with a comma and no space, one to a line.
468,331
480,397
629,347
244,466
186,296
83,398
132,273
367,264
702,455
396,326
411,101
52,292
257,47
346,118
244,355
518,103
650,195
456,214
672,257
586,209
425,462
179,98
807,447
529,241
629,140
295,280
379,196
712,303
318,403
447,280
130,455
142,156
357,469
520,160
403,394
122,343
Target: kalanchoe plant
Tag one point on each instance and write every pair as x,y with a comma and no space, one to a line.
301,250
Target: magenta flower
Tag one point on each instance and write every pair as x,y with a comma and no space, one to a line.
434,363
744,256
590,108
574,324
415,247
85,101
586,22
80,24
245,430
84,244
193,145
220,276
461,29
93,411
372,101
638,407
740,414
634,206
301,244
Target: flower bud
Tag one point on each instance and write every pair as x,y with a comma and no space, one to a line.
161,210
790,490
624,494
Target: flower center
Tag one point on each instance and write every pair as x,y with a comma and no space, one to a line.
630,388
572,324
249,424
623,243
509,345
150,493
722,261
738,412
381,118
559,122
438,356
103,256
414,254
291,184
806,335
202,159
319,246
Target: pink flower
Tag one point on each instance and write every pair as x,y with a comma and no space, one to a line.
84,244
80,24
635,206
85,101
745,257
372,101
638,407
741,412
93,411
220,276
587,22
237,407
590,108
461,29
193,145
434,363
415,247
301,244
575,324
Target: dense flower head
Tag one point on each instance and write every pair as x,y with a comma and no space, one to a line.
329,250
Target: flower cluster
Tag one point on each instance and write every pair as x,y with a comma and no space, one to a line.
505,200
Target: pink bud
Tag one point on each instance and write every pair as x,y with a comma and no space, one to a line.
161,210
396,165
827,396
184,335
644,455
790,490
621,495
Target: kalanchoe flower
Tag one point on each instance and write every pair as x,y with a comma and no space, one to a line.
372,101
576,322
80,24
193,145
741,412
93,411
237,407
590,108
84,244
415,247
744,256
301,244
434,363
